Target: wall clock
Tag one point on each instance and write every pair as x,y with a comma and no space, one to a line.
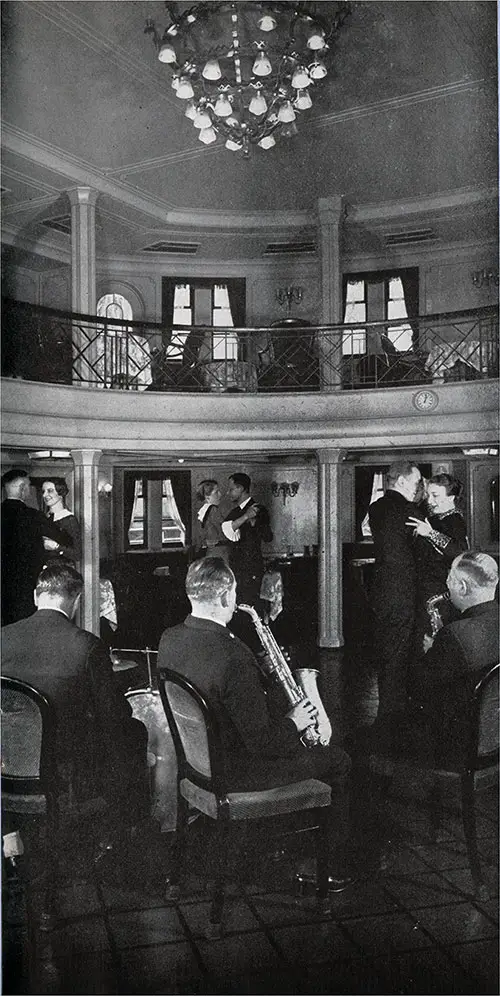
425,401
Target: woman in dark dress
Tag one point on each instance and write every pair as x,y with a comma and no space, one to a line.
439,538
54,493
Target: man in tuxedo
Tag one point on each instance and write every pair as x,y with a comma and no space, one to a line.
100,749
393,593
246,527
27,535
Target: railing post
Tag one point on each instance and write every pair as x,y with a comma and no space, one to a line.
330,216
87,512
83,272
330,548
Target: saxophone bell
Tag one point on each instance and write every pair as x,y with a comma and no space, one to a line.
275,666
433,606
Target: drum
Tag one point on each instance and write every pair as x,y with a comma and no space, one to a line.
146,705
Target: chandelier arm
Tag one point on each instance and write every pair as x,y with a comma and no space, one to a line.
232,43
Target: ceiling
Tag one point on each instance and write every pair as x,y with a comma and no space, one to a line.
407,117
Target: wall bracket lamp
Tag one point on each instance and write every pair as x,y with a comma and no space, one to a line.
285,489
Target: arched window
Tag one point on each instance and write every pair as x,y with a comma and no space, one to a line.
125,360
115,306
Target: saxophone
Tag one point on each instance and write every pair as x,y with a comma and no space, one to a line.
432,606
319,734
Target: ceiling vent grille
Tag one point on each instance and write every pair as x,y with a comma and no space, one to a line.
184,248
60,224
411,237
288,248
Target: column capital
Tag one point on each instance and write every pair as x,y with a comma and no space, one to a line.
330,455
86,458
82,196
330,210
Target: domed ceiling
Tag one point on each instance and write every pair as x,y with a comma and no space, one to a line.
408,115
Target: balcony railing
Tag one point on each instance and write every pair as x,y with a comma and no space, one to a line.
55,347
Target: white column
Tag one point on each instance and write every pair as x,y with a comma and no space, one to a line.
330,548
87,512
330,217
83,269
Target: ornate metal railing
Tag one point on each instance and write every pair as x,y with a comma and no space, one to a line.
55,347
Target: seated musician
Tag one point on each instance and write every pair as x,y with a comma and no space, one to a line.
457,658
261,751
432,731
100,749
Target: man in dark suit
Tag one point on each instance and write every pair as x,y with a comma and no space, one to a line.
459,656
100,748
27,535
261,750
246,527
393,593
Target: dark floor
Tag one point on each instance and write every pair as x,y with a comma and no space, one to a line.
412,928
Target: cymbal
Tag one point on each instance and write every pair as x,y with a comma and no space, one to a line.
122,663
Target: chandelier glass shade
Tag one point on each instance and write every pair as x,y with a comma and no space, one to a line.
247,70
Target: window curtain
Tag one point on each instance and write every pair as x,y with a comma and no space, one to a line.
409,279
363,487
167,308
181,487
128,504
236,290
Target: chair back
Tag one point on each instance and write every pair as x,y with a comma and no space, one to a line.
485,736
28,735
194,731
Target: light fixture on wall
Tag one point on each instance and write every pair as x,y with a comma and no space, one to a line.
285,489
480,278
49,454
290,295
104,489
246,70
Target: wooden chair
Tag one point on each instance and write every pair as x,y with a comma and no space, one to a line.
29,776
202,785
480,761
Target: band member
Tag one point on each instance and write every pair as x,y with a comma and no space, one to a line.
260,750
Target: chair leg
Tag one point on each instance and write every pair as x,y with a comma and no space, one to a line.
47,917
173,891
322,838
470,831
216,909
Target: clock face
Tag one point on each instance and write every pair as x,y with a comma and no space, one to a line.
425,401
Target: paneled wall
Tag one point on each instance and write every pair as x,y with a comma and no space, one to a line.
445,281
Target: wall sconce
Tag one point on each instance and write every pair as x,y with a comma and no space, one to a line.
104,489
482,277
285,489
292,295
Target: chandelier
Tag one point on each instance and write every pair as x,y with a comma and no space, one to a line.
247,70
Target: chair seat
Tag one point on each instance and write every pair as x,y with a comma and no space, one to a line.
307,794
35,805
